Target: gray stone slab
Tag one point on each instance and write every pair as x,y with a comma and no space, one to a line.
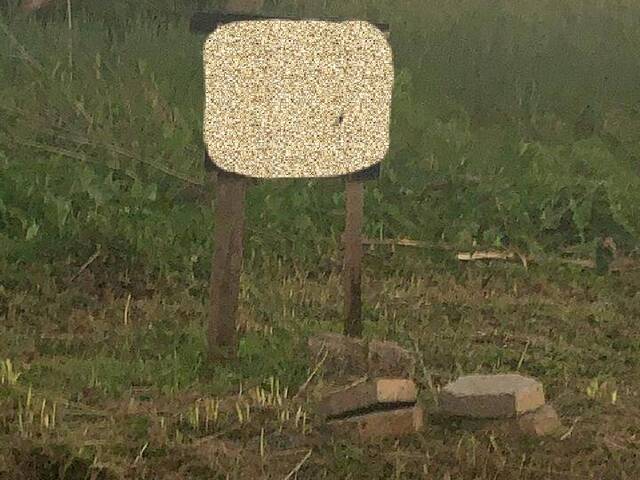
491,396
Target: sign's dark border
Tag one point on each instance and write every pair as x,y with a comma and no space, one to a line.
207,22
369,173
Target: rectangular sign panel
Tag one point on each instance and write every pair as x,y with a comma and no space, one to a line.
297,98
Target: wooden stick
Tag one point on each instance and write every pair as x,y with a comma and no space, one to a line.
620,264
403,242
313,373
226,266
493,255
86,264
353,258
297,468
488,255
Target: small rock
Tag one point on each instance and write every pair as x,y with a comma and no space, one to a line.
381,391
377,425
542,421
345,355
388,359
491,396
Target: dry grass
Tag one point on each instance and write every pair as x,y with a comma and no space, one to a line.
134,400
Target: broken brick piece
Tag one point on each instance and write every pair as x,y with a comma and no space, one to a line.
344,355
542,421
378,425
379,391
388,359
491,396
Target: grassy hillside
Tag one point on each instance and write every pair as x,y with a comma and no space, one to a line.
512,125
516,125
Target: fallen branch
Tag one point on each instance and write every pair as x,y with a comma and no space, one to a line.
488,255
495,255
620,264
403,242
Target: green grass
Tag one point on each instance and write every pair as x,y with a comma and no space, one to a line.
492,147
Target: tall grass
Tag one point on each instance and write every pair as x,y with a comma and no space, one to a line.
514,123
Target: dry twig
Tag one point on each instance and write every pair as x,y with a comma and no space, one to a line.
313,373
297,468
86,264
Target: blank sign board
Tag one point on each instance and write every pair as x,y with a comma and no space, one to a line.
297,98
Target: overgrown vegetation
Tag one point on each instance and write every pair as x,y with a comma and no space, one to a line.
512,126
516,125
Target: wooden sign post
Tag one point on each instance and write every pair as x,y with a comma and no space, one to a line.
354,199
290,98
227,264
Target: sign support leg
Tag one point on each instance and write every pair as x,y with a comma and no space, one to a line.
352,239
229,219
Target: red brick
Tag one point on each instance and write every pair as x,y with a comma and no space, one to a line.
368,394
345,355
388,359
378,425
